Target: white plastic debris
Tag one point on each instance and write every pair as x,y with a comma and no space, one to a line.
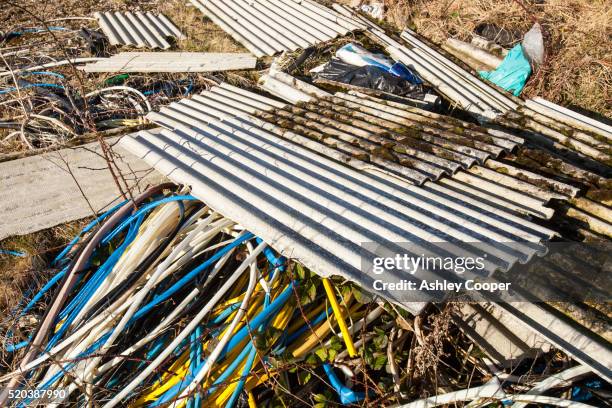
533,45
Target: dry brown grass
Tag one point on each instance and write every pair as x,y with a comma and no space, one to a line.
202,35
18,275
577,38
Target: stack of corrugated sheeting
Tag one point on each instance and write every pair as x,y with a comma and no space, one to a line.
319,207
311,207
417,161
408,142
138,29
461,87
566,129
266,27
528,191
573,147
569,117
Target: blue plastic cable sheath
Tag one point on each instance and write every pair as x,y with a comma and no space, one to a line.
192,361
198,397
249,363
112,260
93,284
44,290
177,388
38,30
12,89
66,250
156,347
259,319
85,230
102,271
346,395
134,227
43,73
253,351
191,275
322,316
106,268
189,87
218,320
146,208
239,240
243,376
277,262
224,314
142,311
11,348
242,334
172,392
13,253
60,374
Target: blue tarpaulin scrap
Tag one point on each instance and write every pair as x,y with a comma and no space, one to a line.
512,73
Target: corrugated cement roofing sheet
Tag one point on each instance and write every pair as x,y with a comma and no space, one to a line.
138,29
316,209
229,101
266,27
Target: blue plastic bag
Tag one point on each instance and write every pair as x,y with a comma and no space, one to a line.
512,73
355,55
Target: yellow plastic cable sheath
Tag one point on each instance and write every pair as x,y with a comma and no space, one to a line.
179,368
251,400
346,336
310,339
279,323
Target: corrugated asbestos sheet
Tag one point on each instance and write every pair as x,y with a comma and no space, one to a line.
506,192
471,92
524,191
266,27
173,62
138,29
413,143
310,207
569,117
52,196
566,129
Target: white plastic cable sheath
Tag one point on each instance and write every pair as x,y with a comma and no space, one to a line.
142,293
121,88
95,333
160,327
96,321
553,381
160,226
490,390
211,359
218,295
167,320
